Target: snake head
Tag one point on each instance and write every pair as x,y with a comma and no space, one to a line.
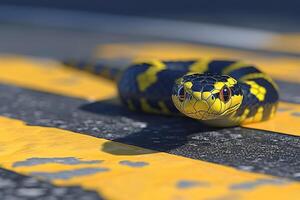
207,96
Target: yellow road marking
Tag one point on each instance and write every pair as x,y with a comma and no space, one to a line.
285,43
279,67
204,181
49,80
119,171
51,76
286,120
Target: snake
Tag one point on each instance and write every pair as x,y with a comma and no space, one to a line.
218,93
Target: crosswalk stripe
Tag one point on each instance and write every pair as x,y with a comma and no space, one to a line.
279,67
66,158
50,76
288,42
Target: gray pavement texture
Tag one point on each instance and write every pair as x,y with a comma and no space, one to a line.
242,148
18,187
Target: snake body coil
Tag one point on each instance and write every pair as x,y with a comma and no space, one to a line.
220,93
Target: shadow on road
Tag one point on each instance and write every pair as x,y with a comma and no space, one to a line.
156,132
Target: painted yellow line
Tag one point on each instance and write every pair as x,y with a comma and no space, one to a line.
289,42
280,67
119,171
51,76
287,120
116,170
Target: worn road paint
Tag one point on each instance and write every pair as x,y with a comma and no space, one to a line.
65,160
51,76
288,42
19,142
185,184
133,164
297,114
68,174
279,67
257,183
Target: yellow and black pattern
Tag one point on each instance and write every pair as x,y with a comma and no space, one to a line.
217,92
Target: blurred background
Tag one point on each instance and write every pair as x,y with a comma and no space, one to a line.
66,28
268,14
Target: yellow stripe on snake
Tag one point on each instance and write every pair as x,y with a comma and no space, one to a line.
220,93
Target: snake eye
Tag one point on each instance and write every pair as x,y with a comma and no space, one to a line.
181,94
225,94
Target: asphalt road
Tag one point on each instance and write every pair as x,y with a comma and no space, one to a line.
254,150
241,148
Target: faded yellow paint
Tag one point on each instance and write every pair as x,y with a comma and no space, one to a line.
162,175
279,67
51,76
286,120
289,42
149,77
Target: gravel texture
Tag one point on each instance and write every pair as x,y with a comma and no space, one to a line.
18,187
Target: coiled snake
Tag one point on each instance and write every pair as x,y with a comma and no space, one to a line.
220,93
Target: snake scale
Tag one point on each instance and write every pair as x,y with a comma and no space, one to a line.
220,93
